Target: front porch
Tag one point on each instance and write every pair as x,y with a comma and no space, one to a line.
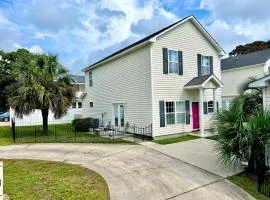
201,84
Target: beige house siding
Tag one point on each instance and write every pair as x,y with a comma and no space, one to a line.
233,78
124,80
267,97
188,39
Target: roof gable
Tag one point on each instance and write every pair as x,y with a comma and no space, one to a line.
152,38
78,79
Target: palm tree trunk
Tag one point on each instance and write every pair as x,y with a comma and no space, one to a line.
251,164
45,113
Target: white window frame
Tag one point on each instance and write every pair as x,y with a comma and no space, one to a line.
90,79
211,107
172,61
175,113
203,66
74,102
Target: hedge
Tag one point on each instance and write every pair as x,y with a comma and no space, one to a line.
83,125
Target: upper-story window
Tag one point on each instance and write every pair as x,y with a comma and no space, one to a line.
173,62
90,79
205,65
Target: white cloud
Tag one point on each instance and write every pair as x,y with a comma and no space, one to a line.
238,22
36,49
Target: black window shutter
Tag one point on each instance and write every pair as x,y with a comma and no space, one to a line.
187,112
199,61
211,64
205,111
165,60
180,61
217,107
162,113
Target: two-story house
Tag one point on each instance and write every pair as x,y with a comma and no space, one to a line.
237,70
75,111
170,79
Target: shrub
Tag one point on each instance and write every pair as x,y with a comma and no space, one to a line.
83,125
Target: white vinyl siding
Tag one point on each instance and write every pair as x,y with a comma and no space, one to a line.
125,80
171,88
233,78
267,97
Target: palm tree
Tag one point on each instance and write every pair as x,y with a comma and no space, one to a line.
241,138
41,83
231,142
258,129
251,97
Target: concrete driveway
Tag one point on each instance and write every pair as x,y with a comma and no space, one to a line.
200,153
135,171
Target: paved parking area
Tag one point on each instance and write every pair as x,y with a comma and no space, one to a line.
200,153
135,172
4,123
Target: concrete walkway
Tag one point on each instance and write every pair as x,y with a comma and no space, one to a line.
200,153
135,171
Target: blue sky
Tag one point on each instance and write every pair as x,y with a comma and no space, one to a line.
81,32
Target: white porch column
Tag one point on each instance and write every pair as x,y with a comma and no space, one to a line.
214,100
201,112
264,98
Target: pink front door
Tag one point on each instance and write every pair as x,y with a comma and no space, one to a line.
195,115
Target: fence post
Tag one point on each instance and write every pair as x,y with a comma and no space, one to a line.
35,133
75,132
13,130
114,133
134,130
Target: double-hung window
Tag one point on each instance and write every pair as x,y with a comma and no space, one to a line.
74,104
210,106
205,65
175,112
90,79
173,62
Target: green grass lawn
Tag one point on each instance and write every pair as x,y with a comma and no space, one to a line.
176,139
248,184
35,180
57,133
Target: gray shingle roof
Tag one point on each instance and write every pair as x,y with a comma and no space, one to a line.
245,60
198,80
78,79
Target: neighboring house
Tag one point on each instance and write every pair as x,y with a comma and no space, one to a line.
237,70
170,79
74,112
263,83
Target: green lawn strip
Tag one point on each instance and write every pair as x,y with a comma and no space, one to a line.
34,180
176,139
248,184
57,133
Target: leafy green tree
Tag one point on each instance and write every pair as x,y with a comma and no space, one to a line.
41,83
250,47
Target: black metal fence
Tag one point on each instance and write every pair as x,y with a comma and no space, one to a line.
264,186
65,133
